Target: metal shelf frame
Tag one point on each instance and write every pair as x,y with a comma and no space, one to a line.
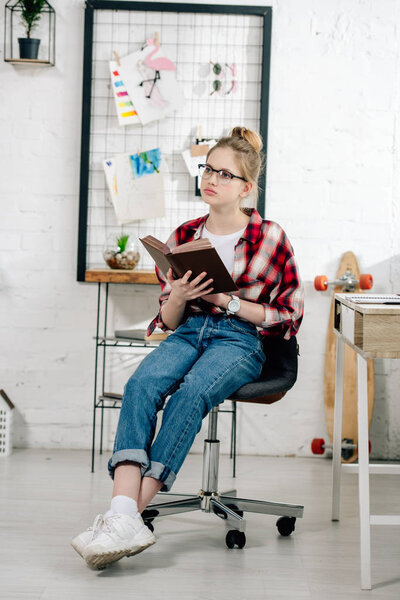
106,400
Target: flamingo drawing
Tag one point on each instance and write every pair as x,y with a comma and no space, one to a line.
158,64
154,96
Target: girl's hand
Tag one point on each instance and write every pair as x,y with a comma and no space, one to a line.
183,289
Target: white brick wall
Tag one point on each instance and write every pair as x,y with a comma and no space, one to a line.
333,184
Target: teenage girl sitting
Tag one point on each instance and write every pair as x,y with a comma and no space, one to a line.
215,348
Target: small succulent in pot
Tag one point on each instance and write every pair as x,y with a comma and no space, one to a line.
120,253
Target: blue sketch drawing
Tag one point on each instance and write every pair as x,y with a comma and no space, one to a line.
145,163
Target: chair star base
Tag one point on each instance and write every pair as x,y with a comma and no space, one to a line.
225,505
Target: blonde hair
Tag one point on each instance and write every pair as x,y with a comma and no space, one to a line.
247,146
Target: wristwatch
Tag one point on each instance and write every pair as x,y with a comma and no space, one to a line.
233,305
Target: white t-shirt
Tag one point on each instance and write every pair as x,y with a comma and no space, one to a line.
224,245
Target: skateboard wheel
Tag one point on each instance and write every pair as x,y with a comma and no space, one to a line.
369,447
318,446
321,283
366,281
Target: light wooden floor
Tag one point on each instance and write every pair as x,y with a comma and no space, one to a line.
48,496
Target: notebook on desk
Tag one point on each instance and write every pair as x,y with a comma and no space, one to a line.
374,298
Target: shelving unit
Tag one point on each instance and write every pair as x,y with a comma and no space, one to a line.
111,400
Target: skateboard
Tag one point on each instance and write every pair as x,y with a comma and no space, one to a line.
348,279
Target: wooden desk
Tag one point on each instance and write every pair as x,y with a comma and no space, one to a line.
373,331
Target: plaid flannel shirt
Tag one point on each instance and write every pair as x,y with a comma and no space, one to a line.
265,272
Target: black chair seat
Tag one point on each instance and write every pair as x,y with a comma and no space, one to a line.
278,374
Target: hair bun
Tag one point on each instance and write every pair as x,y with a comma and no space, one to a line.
251,137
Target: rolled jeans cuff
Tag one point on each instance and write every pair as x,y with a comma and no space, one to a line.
162,473
133,455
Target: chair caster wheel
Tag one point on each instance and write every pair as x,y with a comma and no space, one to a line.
286,525
150,525
235,537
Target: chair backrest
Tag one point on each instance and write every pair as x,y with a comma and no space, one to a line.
278,374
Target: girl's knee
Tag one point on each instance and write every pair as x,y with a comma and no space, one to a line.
140,395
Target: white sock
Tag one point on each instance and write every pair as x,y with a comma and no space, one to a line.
123,505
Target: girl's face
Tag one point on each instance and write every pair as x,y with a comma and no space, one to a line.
218,194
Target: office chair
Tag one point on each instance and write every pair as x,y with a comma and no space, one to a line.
278,375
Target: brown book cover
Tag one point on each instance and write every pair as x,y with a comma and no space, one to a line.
198,256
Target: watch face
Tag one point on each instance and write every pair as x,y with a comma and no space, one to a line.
234,305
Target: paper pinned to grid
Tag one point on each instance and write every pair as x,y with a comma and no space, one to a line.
154,89
134,197
126,112
192,162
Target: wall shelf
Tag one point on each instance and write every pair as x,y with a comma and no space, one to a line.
120,276
32,38
35,61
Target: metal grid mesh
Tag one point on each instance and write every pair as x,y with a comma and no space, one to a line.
190,40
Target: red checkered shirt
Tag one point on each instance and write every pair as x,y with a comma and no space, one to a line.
265,271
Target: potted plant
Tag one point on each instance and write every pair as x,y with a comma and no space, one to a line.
31,12
120,253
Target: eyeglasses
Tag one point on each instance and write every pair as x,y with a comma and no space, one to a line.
223,176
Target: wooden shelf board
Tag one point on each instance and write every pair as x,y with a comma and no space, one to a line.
35,61
121,276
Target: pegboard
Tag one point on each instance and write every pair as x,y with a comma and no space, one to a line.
191,35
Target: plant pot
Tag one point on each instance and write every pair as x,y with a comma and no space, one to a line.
28,47
115,259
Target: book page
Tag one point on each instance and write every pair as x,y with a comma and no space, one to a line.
192,246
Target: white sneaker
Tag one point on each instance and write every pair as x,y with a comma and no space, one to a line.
120,535
80,542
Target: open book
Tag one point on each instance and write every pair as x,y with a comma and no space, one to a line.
197,256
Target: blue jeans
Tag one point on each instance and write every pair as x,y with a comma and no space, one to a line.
206,359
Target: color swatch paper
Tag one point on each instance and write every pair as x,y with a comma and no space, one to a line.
126,111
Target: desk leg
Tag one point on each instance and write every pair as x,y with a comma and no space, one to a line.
104,370
95,373
337,430
363,473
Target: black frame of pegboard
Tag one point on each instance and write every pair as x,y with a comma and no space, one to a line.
91,6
